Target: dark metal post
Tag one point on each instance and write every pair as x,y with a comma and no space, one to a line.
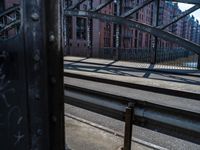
117,31
155,43
90,33
128,126
198,63
66,30
54,54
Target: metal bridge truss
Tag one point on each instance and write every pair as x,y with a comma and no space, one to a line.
125,18
10,19
133,110
31,81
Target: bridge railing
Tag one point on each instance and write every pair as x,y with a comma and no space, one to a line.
174,57
166,118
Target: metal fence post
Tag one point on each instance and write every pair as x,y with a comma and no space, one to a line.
155,46
90,33
117,30
128,126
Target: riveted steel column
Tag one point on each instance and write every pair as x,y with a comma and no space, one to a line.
36,70
54,53
44,62
155,43
198,63
128,126
67,31
90,33
117,30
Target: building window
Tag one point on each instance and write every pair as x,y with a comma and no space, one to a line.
81,27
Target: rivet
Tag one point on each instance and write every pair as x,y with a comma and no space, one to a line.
37,96
54,118
40,132
37,57
35,17
52,38
53,80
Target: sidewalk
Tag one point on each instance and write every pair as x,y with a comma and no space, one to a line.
82,136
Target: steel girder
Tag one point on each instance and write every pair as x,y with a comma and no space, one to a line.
77,4
135,9
31,79
140,26
182,15
107,2
10,10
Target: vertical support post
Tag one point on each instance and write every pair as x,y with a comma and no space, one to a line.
54,56
128,126
155,46
66,31
68,52
1,6
117,32
90,33
198,63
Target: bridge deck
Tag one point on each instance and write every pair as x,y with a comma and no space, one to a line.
181,92
131,69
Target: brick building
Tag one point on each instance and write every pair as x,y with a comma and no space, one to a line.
104,33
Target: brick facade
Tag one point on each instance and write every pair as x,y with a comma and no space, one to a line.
104,35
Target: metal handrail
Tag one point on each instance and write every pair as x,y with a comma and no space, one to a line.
171,121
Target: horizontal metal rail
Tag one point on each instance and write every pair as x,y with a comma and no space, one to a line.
171,121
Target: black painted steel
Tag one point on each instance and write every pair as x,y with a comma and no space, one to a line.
135,9
31,110
77,4
128,126
10,20
98,8
54,54
14,132
182,15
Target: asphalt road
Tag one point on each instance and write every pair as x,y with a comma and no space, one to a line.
153,137
107,67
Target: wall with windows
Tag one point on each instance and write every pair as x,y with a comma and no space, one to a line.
104,33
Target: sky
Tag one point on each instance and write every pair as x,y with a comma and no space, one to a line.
184,7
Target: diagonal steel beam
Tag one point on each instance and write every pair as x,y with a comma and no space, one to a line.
10,25
135,9
77,4
107,2
186,1
10,10
182,15
140,26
